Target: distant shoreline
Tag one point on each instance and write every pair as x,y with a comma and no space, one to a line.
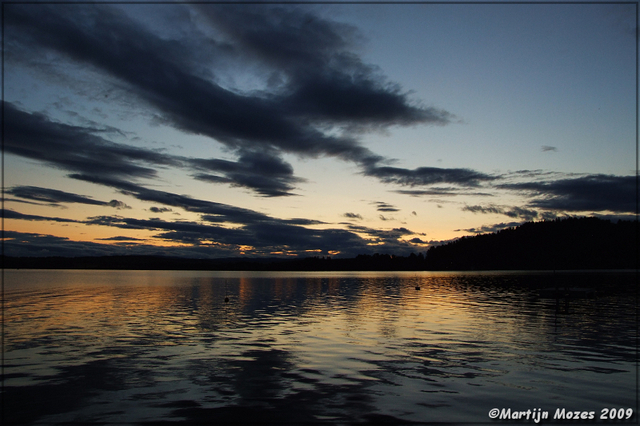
469,271
161,263
561,244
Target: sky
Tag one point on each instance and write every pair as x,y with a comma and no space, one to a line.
281,130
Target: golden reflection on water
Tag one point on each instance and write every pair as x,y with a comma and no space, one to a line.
143,304
401,346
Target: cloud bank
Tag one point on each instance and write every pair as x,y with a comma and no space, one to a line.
303,90
324,84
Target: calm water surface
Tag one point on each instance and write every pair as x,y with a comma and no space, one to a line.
136,347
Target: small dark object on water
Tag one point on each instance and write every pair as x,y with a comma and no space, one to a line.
417,287
226,300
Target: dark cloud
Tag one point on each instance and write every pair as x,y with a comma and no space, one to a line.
423,176
34,245
51,196
214,212
14,200
352,216
487,229
289,237
302,221
120,238
592,193
440,192
10,214
100,36
118,205
360,103
159,209
384,207
318,93
264,237
392,234
261,231
263,172
388,240
480,209
513,212
324,85
78,149
221,234
73,148
325,80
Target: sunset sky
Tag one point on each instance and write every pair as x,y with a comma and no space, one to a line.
226,130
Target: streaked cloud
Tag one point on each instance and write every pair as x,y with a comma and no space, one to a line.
51,196
77,149
486,229
263,172
590,193
423,176
11,214
353,216
159,209
514,212
441,192
212,211
385,207
120,238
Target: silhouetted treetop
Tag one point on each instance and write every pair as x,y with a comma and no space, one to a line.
570,243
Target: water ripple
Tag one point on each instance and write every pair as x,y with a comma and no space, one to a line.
147,347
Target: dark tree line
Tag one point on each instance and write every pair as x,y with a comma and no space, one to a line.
571,243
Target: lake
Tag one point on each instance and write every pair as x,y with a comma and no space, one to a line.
160,347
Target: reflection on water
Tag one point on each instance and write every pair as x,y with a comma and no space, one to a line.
135,347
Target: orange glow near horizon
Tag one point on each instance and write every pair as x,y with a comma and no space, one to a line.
81,232
85,233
